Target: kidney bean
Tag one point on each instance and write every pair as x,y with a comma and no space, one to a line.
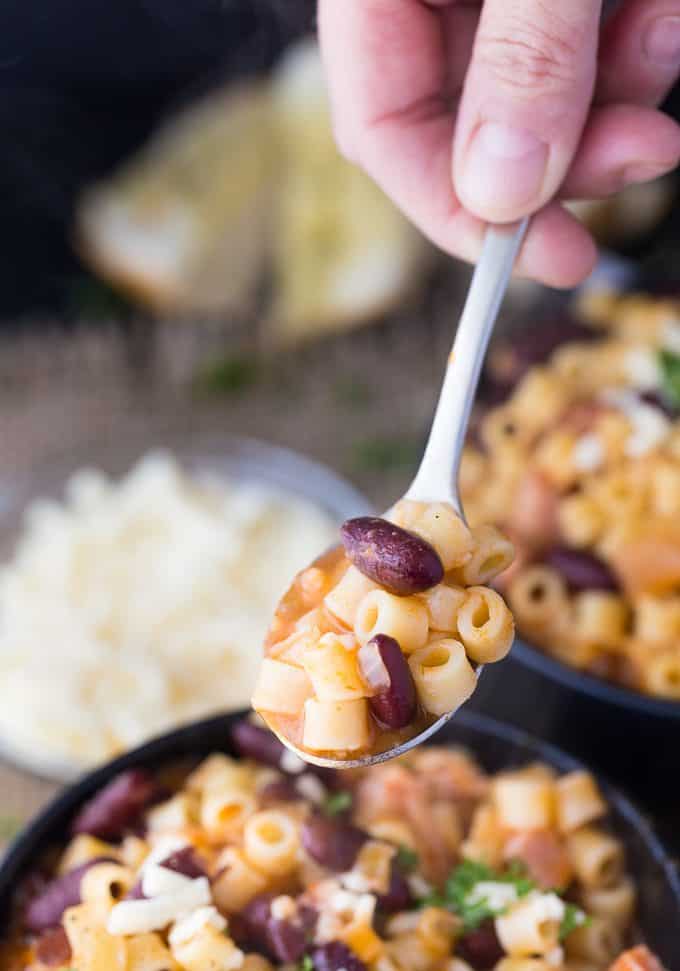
117,806
260,745
480,948
254,921
332,842
186,862
400,561
239,931
580,570
287,941
253,742
45,910
282,940
398,896
281,790
386,671
334,956
53,948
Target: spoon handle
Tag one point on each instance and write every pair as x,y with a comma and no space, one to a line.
437,477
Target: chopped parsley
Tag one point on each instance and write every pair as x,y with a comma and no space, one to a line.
670,376
338,802
406,859
306,964
476,892
231,375
573,917
462,894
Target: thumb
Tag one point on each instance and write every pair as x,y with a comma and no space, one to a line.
525,101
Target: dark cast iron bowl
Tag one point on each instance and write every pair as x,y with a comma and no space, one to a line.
494,744
630,737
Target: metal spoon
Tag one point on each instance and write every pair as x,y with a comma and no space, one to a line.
437,477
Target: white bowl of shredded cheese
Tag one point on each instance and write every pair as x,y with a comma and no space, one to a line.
135,592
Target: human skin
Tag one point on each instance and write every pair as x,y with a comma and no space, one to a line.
474,112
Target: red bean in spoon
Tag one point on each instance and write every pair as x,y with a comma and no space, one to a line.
400,561
385,670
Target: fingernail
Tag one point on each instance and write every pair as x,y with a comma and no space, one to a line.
644,172
503,171
661,41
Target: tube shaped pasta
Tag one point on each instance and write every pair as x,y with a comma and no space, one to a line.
271,842
443,603
218,771
103,885
532,925
206,948
524,801
538,596
404,618
597,857
616,903
599,941
147,952
578,801
224,811
237,881
84,848
333,669
443,675
437,930
599,617
173,815
281,688
440,525
524,964
581,519
485,625
662,674
657,619
336,725
344,599
492,553
91,945
486,838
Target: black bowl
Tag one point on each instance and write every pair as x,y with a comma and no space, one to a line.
495,745
631,737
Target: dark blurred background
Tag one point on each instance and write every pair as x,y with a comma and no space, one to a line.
82,84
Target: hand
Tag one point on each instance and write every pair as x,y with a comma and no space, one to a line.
469,112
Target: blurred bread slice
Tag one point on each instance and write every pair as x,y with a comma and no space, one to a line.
342,252
183,226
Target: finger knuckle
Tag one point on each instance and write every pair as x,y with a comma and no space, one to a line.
535,60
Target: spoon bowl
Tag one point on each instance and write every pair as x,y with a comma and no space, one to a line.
437,477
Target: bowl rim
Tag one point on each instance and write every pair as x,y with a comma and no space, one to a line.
526,653
28,844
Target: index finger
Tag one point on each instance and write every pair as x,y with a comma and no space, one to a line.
386,63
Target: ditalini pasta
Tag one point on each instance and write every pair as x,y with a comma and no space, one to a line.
374,642
580,466
427,864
